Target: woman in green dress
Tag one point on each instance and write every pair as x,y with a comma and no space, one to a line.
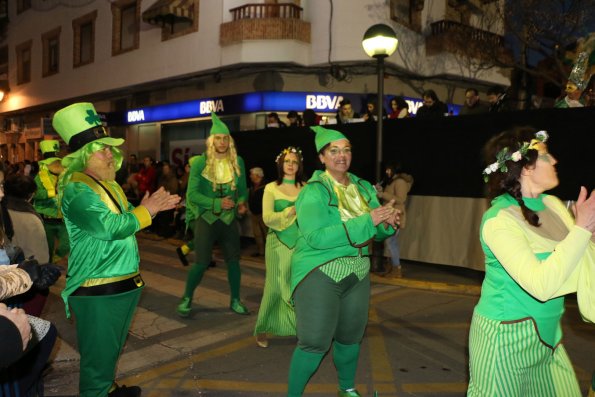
276,315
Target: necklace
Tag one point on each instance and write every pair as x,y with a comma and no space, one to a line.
289,181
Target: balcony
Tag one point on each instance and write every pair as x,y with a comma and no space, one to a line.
466,40
265,22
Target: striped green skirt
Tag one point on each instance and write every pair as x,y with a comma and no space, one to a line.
509,360
276,315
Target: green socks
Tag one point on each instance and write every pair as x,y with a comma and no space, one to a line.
234,276
345,358
303,365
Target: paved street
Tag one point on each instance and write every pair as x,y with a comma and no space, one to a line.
415,344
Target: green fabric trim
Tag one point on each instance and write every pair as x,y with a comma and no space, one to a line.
340,268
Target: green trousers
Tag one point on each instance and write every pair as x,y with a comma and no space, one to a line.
102,324
56,232
328,312
228,238
509,359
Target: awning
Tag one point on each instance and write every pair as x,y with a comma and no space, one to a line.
169,11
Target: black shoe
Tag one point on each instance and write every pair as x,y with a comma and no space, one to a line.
212,264
125,391
182,257
255,255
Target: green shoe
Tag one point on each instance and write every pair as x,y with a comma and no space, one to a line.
184,308
348,393
238,307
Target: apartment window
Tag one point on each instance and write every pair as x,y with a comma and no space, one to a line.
84,39
125,26
23,5
24,62
407,12
51,52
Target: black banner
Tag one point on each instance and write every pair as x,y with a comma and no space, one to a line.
443,155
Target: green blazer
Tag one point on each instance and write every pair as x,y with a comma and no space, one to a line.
323,236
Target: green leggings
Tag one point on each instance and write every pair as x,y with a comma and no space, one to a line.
228,237
328,313
57,232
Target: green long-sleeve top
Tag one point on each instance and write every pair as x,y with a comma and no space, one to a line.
529,269
102,238
206,200
45,200
323,236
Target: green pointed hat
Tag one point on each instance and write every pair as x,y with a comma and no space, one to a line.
79,124
218,126
324,136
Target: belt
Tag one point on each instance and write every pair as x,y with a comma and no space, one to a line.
49,219
111,287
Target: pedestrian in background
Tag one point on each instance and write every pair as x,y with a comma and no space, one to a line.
256,191
396,187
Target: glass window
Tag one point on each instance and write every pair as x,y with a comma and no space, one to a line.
84,39
86,48
24,62
128,27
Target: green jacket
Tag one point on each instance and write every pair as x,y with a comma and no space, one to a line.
323,236
45,200
102,240
207,203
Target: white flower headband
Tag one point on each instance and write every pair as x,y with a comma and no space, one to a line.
505,155
290,149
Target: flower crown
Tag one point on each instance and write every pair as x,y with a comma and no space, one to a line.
505,155
290,149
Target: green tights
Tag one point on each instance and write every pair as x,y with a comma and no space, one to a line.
197,270
304,364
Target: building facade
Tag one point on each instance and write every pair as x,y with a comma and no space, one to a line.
135,58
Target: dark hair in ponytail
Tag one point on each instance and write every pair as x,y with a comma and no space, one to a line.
508,182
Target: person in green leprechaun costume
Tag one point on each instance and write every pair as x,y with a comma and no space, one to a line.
338,216
45,200
217,190
103,283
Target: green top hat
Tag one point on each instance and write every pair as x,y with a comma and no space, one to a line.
218,126
79,124
324,136
49,146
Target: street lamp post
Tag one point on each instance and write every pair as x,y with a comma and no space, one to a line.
380,41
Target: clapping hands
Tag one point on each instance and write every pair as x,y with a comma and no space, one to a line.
584,210
386,214
160,200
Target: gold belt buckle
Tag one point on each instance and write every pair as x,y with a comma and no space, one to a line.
138,280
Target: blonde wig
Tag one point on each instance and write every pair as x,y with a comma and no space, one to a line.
231,154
